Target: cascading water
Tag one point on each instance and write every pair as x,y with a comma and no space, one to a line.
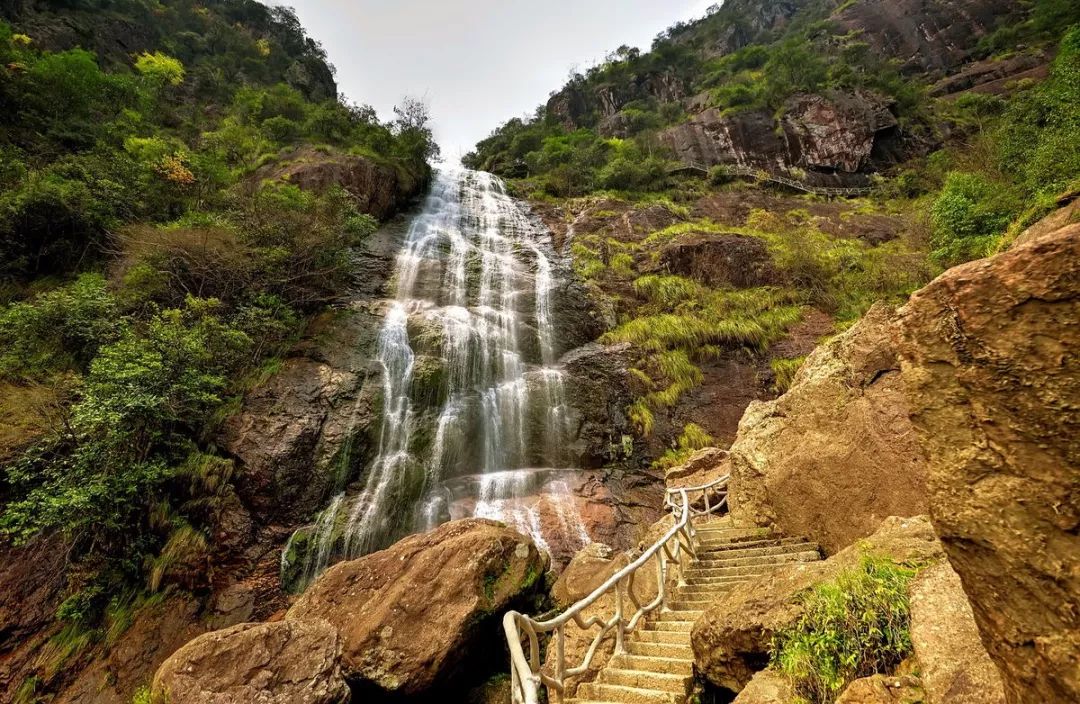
473,404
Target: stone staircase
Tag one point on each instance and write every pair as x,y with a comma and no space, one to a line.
657,667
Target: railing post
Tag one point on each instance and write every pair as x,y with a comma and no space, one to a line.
620,622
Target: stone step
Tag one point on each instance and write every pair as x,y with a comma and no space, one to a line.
680,613
692,605
751,544
747,570
603,692
683,626
765,560
642,679
724,554
662,637
650,663
727,536
713,590
660,650
723,582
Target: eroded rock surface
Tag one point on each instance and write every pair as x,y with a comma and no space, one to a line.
288,662
882,689
839,437
991,361
953,664
767,687
410,615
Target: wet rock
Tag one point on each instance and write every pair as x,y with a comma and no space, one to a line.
308,427
991,363
737,261
598,385
732,639
378,190
411,614
954,666
767,687
882,689
839,437
32,582
288,662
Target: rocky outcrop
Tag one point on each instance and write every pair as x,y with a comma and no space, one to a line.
953,664
824,135
744,22
882,689
925,37
991,362
598,391
410,616
580,104
378,190
767,687
288,662
839,437
732,639
292,433
737,261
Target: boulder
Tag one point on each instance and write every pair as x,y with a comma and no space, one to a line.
732,639
767,687
288,662
953,663
701,468
840,436
881,689
738,261
378,190
590,568
409,615
991,362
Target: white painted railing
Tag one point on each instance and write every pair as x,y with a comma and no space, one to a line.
762,175
669,555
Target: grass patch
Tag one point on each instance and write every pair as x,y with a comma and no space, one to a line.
784,370
855,626
693,438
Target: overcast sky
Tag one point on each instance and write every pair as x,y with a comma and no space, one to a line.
477,62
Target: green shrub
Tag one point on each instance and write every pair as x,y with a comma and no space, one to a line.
692,439
855,626
968,215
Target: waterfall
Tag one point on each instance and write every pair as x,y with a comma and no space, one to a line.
473,410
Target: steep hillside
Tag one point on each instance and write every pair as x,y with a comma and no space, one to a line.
954,122
181,194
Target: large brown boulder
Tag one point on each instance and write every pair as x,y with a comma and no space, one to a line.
839,437
731,640
410,614
953,663
288,662
739,261
991,360
880,689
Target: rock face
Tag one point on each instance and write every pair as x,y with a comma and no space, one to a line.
821,134
598,391
991,361
738,261
953,664
839,437
732,638
290,433
924,36
410,615
378,190
288,662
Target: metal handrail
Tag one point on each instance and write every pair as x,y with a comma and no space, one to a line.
750,172
527,675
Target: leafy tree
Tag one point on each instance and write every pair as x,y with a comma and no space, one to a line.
160,68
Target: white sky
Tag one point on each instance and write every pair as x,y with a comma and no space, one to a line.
477,62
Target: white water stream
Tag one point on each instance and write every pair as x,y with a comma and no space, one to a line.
473,403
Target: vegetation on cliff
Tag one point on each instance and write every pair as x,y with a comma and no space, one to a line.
146,278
